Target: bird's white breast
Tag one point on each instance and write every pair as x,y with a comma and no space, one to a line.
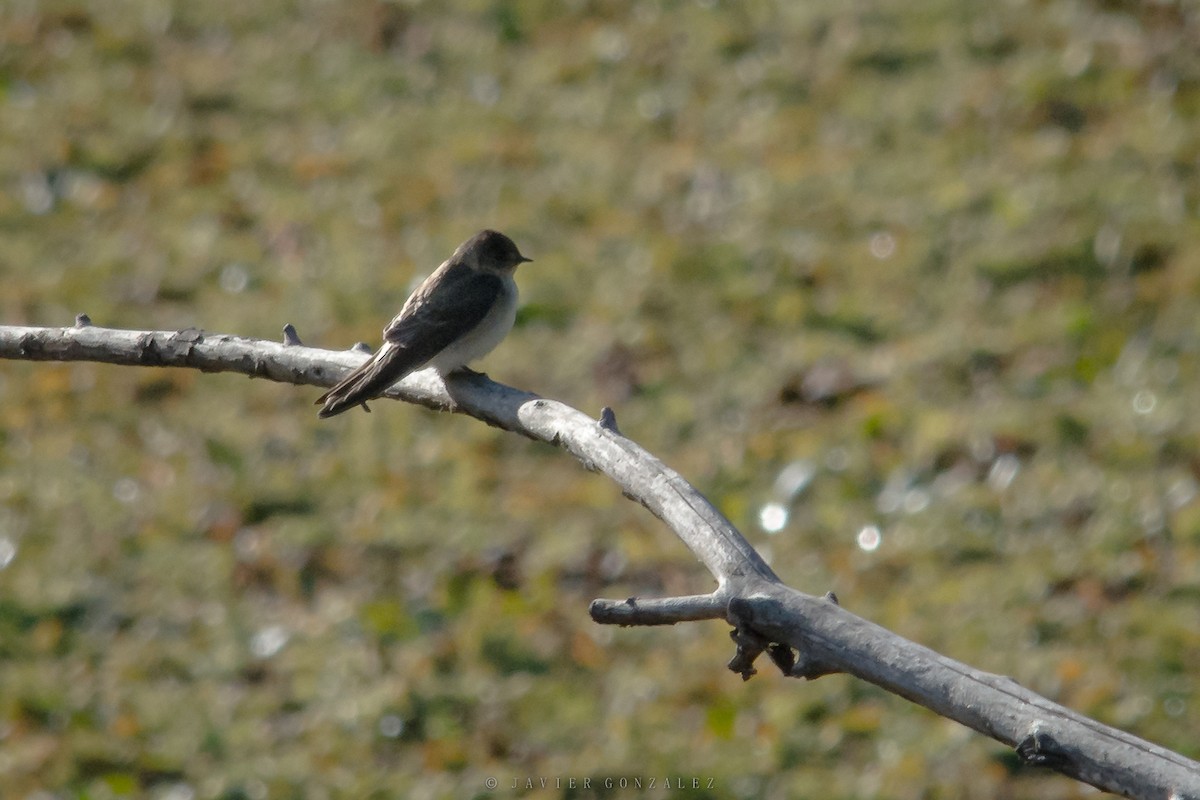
483,338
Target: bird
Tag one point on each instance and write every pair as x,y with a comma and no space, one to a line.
457,315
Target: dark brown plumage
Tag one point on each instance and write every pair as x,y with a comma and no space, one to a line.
458,314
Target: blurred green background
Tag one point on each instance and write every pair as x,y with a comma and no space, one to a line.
909,291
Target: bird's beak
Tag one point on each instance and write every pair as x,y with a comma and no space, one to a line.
524,260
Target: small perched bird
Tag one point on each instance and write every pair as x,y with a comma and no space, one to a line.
457,314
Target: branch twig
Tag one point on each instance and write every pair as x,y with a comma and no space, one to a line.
805,636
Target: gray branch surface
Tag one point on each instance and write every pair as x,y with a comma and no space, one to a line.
804,635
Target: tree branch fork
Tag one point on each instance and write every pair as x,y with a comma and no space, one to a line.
803,635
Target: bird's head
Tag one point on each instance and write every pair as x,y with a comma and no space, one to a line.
491,251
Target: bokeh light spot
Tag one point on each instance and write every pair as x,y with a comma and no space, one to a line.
269,641
126,490
883,245
1144,402
772,517
8,551
869,538
1003,471
234,278
391,726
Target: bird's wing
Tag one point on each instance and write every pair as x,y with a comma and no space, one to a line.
431,320
447,305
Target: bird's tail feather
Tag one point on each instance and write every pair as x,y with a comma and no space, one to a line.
363,384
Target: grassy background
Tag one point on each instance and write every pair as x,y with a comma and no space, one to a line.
928,274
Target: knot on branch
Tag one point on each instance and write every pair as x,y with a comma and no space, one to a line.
751,644
30,346
1043,750
608,420
158,350
749,647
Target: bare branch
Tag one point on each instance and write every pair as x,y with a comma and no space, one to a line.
805,636
659,611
